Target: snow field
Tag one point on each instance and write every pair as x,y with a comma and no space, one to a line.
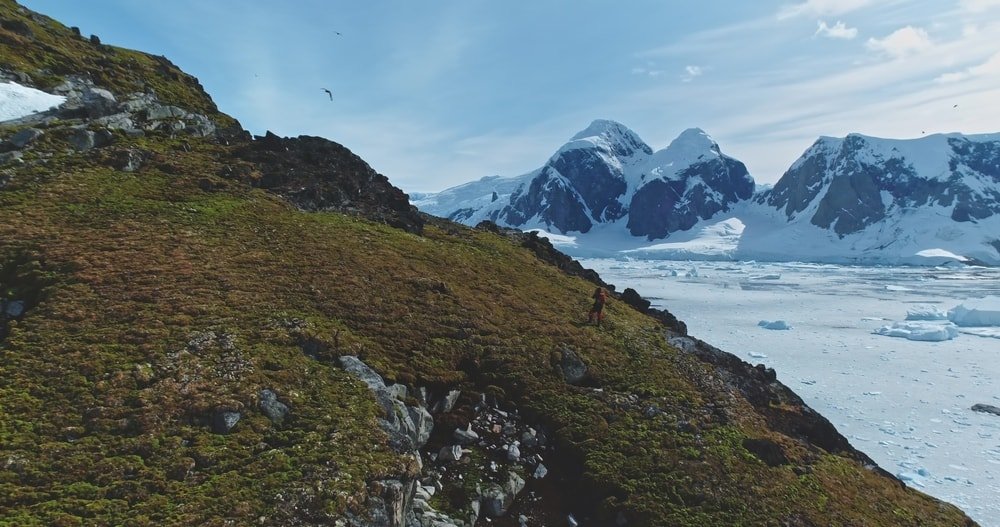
906,403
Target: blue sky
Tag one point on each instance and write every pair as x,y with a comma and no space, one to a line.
433,94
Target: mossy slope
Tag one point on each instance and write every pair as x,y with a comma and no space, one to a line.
155,300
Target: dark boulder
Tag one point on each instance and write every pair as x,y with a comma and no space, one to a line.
767,451
986,409
274,409
632,298
223,420
25,137
570,366
12,308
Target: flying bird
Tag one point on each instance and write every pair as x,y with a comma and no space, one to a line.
956,106
328,92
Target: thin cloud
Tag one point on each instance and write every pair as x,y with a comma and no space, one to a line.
717,39
647,72
821,8
767,116
838,30
989,68
903,42
978,6
691,73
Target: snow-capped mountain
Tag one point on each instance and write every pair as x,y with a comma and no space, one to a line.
606,175
465,201
856,199
849,184
866,199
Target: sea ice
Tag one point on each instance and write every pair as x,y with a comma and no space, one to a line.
838,358
976,312
982,332
921,331
777,324
926,313
911,478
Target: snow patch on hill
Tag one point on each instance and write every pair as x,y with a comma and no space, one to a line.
17,101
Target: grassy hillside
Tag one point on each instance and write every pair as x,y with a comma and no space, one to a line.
48,51
158,298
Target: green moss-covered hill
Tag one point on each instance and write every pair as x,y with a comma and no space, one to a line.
160,293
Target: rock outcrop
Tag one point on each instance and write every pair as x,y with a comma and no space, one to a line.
319,175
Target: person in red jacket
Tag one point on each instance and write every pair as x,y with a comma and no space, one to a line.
597,312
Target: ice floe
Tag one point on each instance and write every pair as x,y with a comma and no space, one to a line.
925,312
898,400
977,312
919,330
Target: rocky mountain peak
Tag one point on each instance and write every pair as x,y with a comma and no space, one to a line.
609,135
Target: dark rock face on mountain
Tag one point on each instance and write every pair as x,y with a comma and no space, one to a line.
606,174
855,182
317,174
582,184
703,190
553,200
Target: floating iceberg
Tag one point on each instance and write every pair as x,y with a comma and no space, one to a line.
976,312
926,313
919,330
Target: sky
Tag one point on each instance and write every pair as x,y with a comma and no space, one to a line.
434,94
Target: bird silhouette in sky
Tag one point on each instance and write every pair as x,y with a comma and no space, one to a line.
328,92
956,106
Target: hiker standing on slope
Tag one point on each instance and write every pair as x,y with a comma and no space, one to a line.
597,312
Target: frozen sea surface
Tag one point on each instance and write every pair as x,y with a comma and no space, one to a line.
906,403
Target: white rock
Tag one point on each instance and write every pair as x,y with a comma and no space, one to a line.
467,436
450,453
